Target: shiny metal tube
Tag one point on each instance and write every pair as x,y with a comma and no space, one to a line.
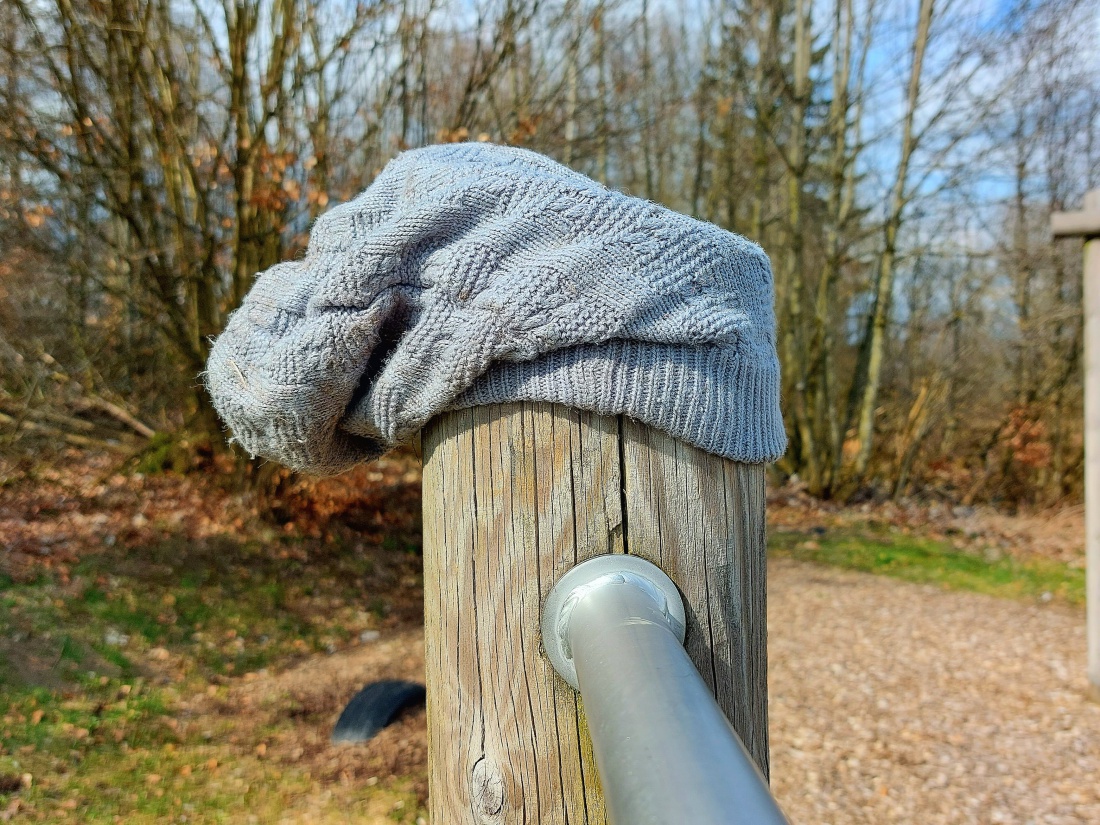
665,752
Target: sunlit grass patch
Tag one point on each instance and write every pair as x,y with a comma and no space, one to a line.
219,608
933,562
99,669
115,752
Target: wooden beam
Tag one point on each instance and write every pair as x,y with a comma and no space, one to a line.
514,496
1081,225
1092,456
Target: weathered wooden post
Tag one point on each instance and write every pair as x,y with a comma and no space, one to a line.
1086,225
469,275
514,496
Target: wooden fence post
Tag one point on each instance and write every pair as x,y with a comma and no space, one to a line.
1086,225
514,496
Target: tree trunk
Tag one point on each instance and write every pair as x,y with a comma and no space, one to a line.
865,387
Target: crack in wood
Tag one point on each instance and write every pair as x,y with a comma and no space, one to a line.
514,496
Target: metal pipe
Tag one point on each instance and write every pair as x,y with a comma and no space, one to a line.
613,627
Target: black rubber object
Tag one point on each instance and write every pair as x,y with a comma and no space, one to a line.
374,707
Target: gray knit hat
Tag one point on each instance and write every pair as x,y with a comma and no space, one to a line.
473,274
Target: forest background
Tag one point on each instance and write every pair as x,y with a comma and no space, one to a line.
898,159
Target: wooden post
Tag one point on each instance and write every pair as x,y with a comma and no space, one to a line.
514,496
1086,225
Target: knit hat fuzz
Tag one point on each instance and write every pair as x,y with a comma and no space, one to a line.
471,274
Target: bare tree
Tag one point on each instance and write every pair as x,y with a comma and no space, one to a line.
899,170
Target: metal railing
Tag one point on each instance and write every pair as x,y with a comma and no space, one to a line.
666,754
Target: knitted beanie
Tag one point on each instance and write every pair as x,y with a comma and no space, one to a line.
472,274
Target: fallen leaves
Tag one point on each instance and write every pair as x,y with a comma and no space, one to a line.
11,810
937,707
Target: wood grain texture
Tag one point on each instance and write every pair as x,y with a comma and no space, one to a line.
514,496
700,518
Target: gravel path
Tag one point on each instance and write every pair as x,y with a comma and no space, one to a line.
894,702
890,703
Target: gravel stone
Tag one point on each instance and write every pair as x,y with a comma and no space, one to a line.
895,702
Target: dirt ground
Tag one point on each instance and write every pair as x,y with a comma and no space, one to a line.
312,695
894,702
890,702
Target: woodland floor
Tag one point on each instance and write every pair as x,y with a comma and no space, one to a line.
164,659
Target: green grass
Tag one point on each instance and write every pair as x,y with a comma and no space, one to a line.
90,710
933,562
114,753
232,607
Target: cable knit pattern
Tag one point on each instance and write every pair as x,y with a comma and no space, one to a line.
473,274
